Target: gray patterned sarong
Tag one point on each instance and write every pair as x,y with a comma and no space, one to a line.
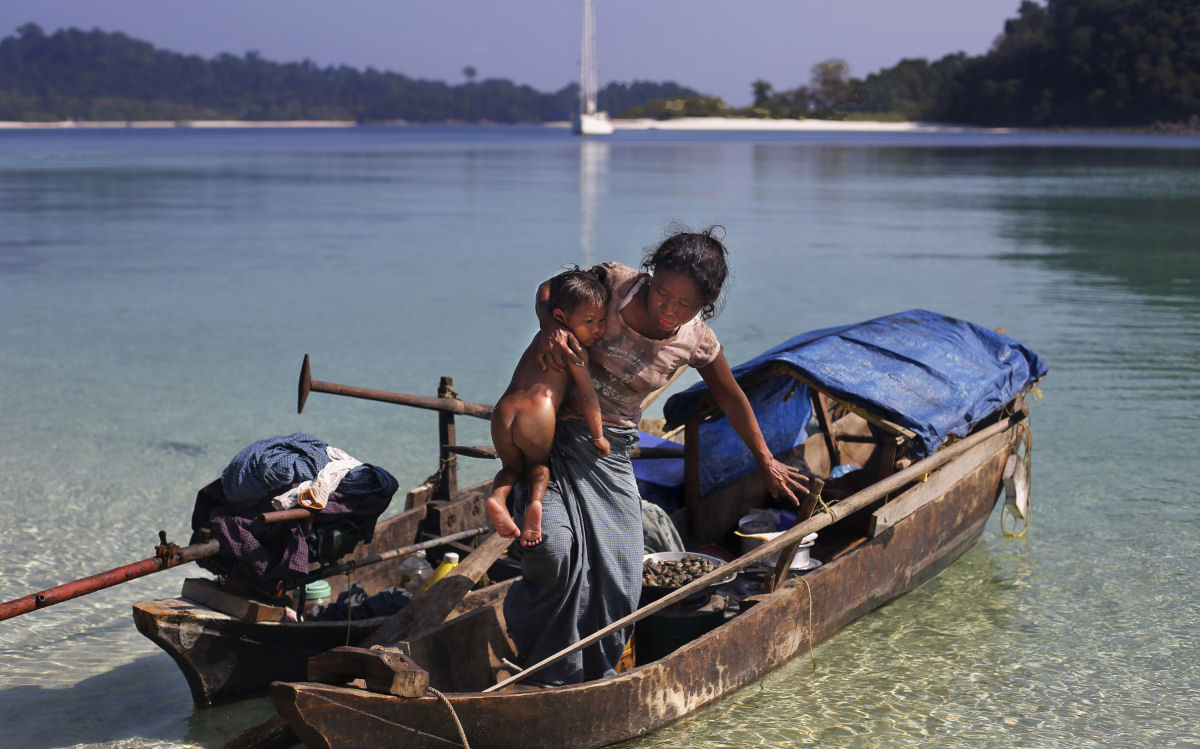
587,572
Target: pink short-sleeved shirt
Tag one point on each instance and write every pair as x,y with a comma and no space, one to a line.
628,369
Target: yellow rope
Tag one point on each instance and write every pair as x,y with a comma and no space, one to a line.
811,657
1028,437
825,508
1010,534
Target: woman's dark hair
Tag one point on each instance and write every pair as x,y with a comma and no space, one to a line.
574,287
702,256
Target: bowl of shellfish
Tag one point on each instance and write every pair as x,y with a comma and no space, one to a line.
667,571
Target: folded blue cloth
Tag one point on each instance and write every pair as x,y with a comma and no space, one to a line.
272,466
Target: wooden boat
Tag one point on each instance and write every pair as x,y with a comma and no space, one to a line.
230,645
910,510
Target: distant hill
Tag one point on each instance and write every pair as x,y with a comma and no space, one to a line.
100,76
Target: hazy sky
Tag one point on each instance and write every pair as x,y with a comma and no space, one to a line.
715,46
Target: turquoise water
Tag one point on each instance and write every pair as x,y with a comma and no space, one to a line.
158,290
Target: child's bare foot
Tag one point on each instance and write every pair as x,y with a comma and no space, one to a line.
501,520
532,534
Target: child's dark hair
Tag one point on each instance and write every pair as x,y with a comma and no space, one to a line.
574,287
702,256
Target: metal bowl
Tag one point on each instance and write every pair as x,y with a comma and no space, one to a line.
654,592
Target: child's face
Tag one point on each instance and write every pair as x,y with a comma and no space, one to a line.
588,323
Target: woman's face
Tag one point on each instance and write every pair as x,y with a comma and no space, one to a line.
672,299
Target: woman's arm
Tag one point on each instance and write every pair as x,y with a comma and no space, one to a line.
589,404
778,478
557,347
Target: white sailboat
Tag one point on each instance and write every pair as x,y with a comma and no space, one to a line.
589,121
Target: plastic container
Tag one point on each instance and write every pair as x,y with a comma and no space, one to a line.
316,594
752,537
449,562
414,571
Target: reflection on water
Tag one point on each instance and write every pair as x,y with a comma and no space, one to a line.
593,167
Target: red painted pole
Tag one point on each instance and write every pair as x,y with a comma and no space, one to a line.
172,558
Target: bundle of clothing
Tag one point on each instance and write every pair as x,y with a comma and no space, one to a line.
347,498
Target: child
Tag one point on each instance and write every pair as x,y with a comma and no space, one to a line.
524,419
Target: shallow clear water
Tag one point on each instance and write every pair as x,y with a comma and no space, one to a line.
159,289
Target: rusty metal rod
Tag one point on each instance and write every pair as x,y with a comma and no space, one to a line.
91,584
450,405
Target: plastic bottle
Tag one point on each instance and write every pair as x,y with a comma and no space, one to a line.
414,571
316,594
449,562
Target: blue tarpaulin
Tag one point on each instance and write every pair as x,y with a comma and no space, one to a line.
929,373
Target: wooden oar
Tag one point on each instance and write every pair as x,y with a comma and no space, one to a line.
430,608
788,538
450,405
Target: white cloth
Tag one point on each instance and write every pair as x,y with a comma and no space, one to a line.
314,494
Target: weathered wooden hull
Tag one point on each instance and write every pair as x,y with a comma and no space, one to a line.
943,518
225,658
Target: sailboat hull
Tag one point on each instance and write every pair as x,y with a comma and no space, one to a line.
592,124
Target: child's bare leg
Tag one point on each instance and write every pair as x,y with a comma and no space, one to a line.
533,435
513,466
497,503
539,478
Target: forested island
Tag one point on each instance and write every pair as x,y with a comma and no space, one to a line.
99,76
1069,63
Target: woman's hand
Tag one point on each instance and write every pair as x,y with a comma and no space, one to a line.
783,481
557,348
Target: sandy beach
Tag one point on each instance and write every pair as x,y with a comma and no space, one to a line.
752,124
682,123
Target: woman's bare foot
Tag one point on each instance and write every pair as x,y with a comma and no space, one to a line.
501,520
532,535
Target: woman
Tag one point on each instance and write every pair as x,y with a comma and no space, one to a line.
586,573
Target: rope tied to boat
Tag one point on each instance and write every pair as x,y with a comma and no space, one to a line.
1028,468
378,718
811,657
453,714
825,507
349,606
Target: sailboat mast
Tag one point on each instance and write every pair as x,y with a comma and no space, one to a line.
587,67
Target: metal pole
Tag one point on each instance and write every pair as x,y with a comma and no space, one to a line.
173,557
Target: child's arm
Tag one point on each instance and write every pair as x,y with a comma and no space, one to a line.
589,403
